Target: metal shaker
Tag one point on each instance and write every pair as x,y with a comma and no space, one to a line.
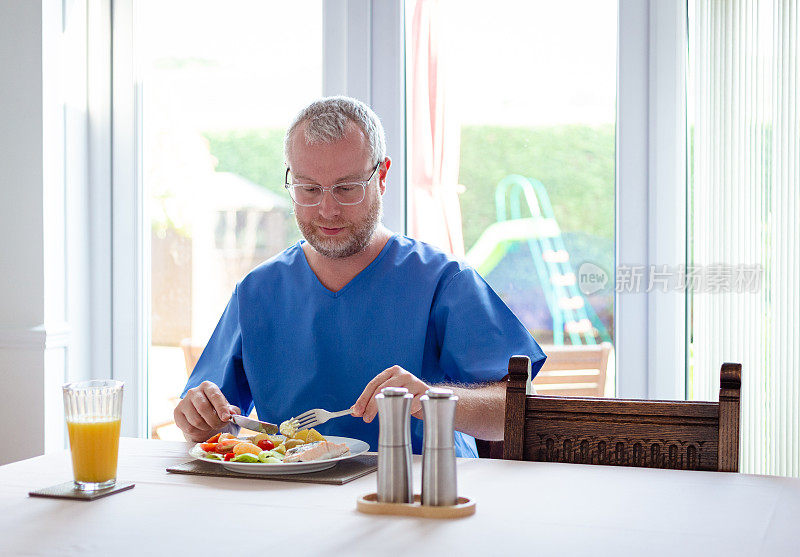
394,446
439,486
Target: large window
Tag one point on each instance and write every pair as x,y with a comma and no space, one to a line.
220,82
511,114
519,178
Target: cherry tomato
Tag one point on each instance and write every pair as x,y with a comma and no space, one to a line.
229,456
208,446
214,439
266,445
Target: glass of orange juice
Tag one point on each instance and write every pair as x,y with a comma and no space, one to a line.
93,410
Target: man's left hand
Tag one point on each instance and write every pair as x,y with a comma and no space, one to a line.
395,376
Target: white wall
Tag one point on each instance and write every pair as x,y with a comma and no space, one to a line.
21,259
21,230
34,329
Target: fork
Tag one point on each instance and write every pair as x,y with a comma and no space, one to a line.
318,416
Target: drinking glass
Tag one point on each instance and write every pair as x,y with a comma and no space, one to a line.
93,410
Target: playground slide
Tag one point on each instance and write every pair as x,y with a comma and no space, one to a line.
493,244
570,311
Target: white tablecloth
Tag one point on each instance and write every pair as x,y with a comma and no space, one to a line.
522,509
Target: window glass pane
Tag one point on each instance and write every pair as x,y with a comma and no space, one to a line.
221,81
511,115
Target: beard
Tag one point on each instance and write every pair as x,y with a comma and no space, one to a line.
351,241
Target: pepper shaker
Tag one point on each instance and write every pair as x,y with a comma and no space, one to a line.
439,485
394,445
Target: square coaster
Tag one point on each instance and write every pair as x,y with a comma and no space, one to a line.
67,491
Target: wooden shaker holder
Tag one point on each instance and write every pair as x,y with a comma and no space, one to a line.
369,504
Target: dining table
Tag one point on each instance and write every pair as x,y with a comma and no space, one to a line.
522,508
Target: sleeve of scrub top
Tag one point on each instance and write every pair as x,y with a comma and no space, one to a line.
477,332
221,360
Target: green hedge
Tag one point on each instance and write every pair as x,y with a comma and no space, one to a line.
575,163
255,154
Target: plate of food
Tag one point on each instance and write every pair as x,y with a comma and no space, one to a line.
305,451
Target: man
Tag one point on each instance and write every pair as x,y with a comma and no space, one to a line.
354,308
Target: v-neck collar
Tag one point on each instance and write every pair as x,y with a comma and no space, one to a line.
365,271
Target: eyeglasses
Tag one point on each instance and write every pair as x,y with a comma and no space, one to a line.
346,193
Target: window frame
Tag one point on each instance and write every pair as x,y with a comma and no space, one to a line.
129,251
651,327
363,57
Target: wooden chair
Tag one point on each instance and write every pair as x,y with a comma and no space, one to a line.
572,370
683,435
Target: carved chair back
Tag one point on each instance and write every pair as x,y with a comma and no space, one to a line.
682,435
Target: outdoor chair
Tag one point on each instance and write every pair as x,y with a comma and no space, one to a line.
191,353
574,370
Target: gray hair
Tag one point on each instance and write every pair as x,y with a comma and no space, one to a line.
327,122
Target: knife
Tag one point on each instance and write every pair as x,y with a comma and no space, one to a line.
254,425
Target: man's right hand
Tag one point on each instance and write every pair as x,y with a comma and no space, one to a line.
203,412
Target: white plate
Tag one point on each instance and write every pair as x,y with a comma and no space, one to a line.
356,448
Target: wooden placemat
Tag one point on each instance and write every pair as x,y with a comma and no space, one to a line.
67,490
345,471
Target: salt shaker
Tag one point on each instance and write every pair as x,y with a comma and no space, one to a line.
439,486
394,445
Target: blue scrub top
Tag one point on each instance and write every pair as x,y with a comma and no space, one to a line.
288,344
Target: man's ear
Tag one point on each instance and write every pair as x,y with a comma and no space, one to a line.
382,172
